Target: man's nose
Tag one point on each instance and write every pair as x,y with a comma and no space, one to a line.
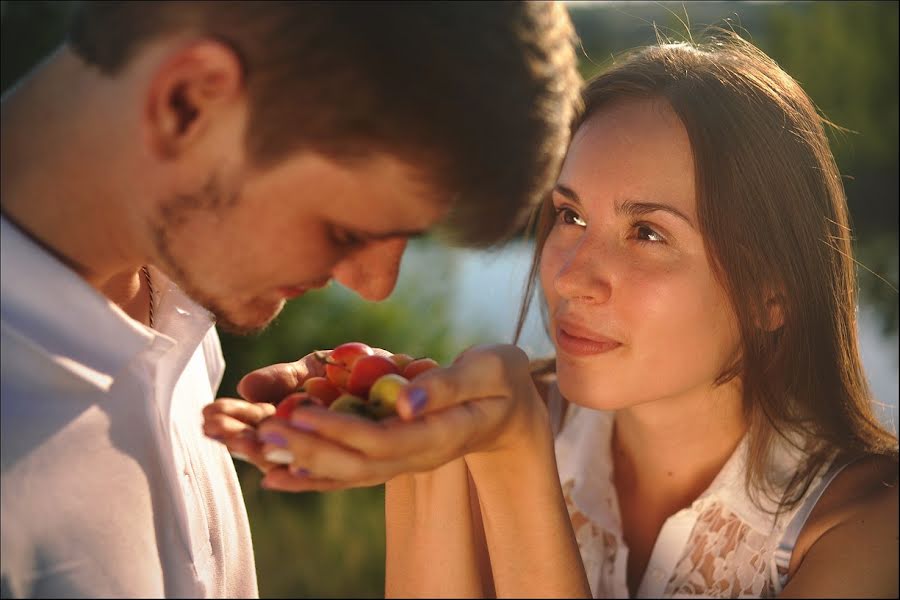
372,270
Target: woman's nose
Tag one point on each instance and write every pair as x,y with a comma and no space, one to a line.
584,272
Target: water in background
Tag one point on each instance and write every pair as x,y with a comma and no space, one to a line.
487,288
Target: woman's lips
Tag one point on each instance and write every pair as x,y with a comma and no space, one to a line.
575,345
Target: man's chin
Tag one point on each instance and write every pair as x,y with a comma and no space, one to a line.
249,326
239,328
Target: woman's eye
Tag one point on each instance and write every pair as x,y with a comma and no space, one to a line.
645,233
569,217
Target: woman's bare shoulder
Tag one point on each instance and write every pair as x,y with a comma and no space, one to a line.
852,531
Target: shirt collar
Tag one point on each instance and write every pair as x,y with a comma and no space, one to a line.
583,456
74,325
583,449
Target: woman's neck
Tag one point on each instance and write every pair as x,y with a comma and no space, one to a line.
670,450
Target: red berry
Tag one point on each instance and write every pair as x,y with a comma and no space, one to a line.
401,360
321,388
366,370
290,402
420,365
341,360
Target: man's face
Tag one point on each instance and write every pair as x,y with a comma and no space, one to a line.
246,240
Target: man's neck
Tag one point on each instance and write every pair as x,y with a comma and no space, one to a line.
56,183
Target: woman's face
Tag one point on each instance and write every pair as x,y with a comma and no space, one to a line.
636,311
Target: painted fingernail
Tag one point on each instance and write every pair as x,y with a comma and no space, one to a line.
280,456
274,438
300,472
298,423
417,397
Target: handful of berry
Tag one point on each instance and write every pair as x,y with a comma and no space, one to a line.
357,381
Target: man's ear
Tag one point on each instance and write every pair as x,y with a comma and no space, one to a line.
186,94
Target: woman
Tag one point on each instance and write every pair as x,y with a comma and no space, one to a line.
711,423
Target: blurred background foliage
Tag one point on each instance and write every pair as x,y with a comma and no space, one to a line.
845,54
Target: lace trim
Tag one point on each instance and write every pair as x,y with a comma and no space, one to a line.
724,558
598,547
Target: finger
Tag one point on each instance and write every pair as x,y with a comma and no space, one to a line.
271,384
310,455
393,446
252,454
250,413
222,427
281,480
482,372
238,438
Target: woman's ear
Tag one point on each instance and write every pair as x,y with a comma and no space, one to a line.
186,95
774,313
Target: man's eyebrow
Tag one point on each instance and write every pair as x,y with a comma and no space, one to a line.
632,208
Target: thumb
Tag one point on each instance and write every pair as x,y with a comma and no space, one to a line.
272,383
482,372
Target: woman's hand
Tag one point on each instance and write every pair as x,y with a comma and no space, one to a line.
485,403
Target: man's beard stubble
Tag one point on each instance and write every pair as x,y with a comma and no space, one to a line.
173,215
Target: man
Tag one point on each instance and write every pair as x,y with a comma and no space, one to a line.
179,165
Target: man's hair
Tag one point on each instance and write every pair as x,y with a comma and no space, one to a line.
479,96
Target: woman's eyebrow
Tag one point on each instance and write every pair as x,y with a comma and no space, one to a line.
634,208
568,193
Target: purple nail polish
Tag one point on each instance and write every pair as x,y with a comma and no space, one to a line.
300,472
301,425
274,438
417,398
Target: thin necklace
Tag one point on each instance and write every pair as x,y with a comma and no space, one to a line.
72,265
146,273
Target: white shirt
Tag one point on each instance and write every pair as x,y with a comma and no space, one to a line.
722,546
109,487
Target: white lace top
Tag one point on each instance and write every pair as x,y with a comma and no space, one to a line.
722,546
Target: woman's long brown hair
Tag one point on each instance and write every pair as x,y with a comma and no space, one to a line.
774,217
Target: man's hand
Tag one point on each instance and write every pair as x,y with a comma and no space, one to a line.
234,421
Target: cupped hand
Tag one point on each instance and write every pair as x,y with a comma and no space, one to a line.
234,421
485,403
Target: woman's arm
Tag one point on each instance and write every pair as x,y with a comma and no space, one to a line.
436,535
435,540
526,523
855,550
